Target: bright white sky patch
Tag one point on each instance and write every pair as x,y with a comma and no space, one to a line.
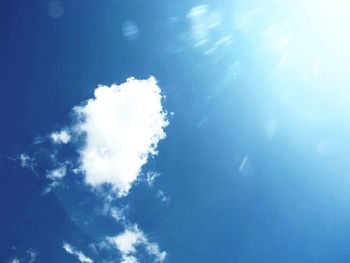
128,241
80,255
123,125
61,137
308,42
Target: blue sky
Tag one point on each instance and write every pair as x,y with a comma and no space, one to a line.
174,131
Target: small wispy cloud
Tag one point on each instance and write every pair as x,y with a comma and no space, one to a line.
202,20
243,163
130,30
26,160
78,254
163,197
119,214
62,136
32,255
55,176
128,242
151,176
58,173
29,256
208,30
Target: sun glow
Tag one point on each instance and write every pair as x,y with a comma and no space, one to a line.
311,44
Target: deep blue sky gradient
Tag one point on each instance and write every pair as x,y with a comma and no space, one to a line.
288,205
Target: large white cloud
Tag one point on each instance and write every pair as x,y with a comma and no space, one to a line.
128,242
123,125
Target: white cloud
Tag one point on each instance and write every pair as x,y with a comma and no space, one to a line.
119,128
128,241
80,255
62,136
57,173
119,214
55,176
122,126
151,176
50,187
29,256
26,160
129,259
